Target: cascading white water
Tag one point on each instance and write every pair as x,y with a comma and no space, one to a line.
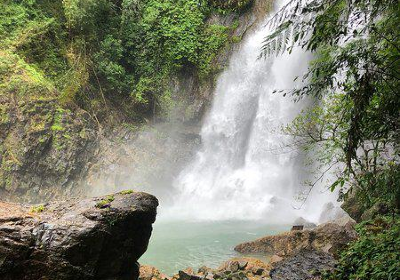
241,172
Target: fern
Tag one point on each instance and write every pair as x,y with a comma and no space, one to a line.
299,20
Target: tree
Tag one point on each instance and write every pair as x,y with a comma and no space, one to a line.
356,77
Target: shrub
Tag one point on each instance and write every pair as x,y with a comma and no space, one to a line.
234,5
374,256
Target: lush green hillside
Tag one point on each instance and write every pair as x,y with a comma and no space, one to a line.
93,53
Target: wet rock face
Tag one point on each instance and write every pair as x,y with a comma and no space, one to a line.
98,238
44,149
329,237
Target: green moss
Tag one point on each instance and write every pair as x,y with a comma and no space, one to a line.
126,192
56,127
57,123
38,208
42,139
104,203
67,136
8,183
4,114
38,126
235,24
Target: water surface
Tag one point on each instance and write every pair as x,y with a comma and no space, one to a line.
178,245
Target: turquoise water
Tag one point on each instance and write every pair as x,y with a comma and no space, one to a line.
178,245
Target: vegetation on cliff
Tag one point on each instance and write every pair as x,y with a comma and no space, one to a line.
98,53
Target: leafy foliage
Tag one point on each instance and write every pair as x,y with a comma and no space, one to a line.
99,53
354,125
235,5
109,66
21,79
374,256
86,16
26,27
355,77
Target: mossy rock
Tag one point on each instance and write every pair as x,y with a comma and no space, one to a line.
353,206
22,79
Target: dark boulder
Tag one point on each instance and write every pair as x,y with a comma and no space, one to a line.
96,238
304,265
377,209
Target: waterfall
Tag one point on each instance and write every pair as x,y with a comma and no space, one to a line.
241,170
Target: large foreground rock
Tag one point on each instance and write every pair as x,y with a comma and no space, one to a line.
329,238
98,238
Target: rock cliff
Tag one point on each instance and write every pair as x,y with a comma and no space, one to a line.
44,149
98,238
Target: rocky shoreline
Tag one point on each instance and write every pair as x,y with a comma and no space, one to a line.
295,255
329,237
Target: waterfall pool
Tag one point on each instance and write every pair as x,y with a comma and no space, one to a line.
180,244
